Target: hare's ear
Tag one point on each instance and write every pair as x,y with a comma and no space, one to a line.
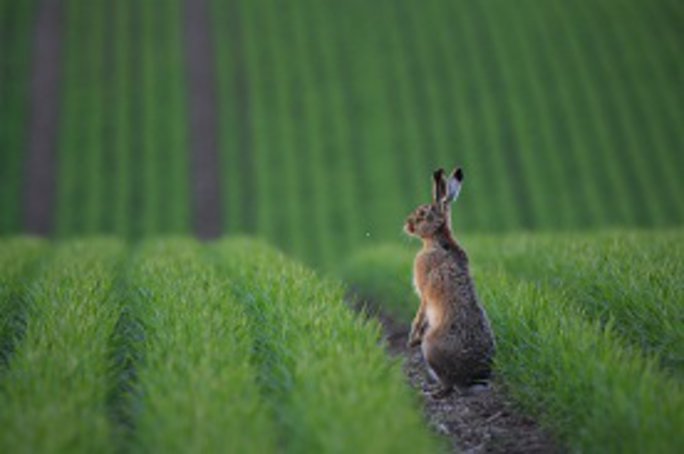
439,186
453,186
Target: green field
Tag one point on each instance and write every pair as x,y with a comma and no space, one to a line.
122,333
589,328
174,346
332,114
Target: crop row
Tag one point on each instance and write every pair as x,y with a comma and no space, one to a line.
567,312
590,389
15,66
314,360
193,388
630,281
53,393
178,346
16,262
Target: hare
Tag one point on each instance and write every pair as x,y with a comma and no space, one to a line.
451,326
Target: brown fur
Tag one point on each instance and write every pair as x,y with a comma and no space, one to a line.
451,326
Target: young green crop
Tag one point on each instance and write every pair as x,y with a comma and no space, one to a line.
332,119
16,32
53,394
632,280
172,95
195,389
580,379
596,394
402,101
69,181
120,121
628,131
327,380
149,131
17,256
346,219
290,138
313,105
382,274
92,206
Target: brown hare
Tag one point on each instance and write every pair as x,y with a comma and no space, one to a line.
451,326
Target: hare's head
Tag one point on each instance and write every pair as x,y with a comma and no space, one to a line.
428,219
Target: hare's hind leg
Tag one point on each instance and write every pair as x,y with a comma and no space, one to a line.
441,389
435,363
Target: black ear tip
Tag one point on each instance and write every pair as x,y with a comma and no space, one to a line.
458,174
438,174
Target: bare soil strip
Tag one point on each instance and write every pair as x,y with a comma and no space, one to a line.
484,421
201,84
40,165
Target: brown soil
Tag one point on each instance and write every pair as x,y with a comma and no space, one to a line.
206,191
484,421
40,167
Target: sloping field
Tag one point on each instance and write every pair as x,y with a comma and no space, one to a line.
173,346
331,115
589,328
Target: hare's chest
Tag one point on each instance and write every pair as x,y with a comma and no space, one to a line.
416,282
421,269
432,314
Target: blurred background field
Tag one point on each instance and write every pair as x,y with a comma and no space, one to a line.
331,116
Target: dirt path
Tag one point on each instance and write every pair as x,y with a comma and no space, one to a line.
41,161
485,422
201,80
